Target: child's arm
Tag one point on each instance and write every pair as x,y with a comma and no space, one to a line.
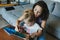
18,21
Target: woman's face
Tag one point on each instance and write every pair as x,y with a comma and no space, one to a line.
37,10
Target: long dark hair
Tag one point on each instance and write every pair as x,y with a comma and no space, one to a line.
45,11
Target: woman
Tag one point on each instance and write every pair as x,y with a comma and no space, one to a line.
41,13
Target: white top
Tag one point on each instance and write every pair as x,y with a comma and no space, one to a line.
32,29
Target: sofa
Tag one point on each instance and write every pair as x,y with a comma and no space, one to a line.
12,15
53,22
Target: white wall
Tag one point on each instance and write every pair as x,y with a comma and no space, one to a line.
33,1
3,0
56,0
21,0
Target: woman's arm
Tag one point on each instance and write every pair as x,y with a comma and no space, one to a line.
43,25
36,34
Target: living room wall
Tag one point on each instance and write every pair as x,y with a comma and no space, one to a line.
31,1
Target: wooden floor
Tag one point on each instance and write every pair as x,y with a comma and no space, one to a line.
5,36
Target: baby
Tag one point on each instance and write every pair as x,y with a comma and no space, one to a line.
29,24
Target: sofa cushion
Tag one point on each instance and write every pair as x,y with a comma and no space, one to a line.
56,11
10,18
53,25
20,9
53,21
17,13
50,5
1,10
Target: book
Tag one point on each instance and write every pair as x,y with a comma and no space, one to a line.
11,31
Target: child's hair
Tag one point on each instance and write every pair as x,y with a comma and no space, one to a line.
29,14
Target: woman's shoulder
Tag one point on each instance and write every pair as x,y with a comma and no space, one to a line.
41,18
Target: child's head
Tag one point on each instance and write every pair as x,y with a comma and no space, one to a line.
29,17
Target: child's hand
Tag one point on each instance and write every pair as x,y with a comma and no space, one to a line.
16,28
25,39
27,36
33,35
19,28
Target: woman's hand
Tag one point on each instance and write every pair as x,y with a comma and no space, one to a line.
43,24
